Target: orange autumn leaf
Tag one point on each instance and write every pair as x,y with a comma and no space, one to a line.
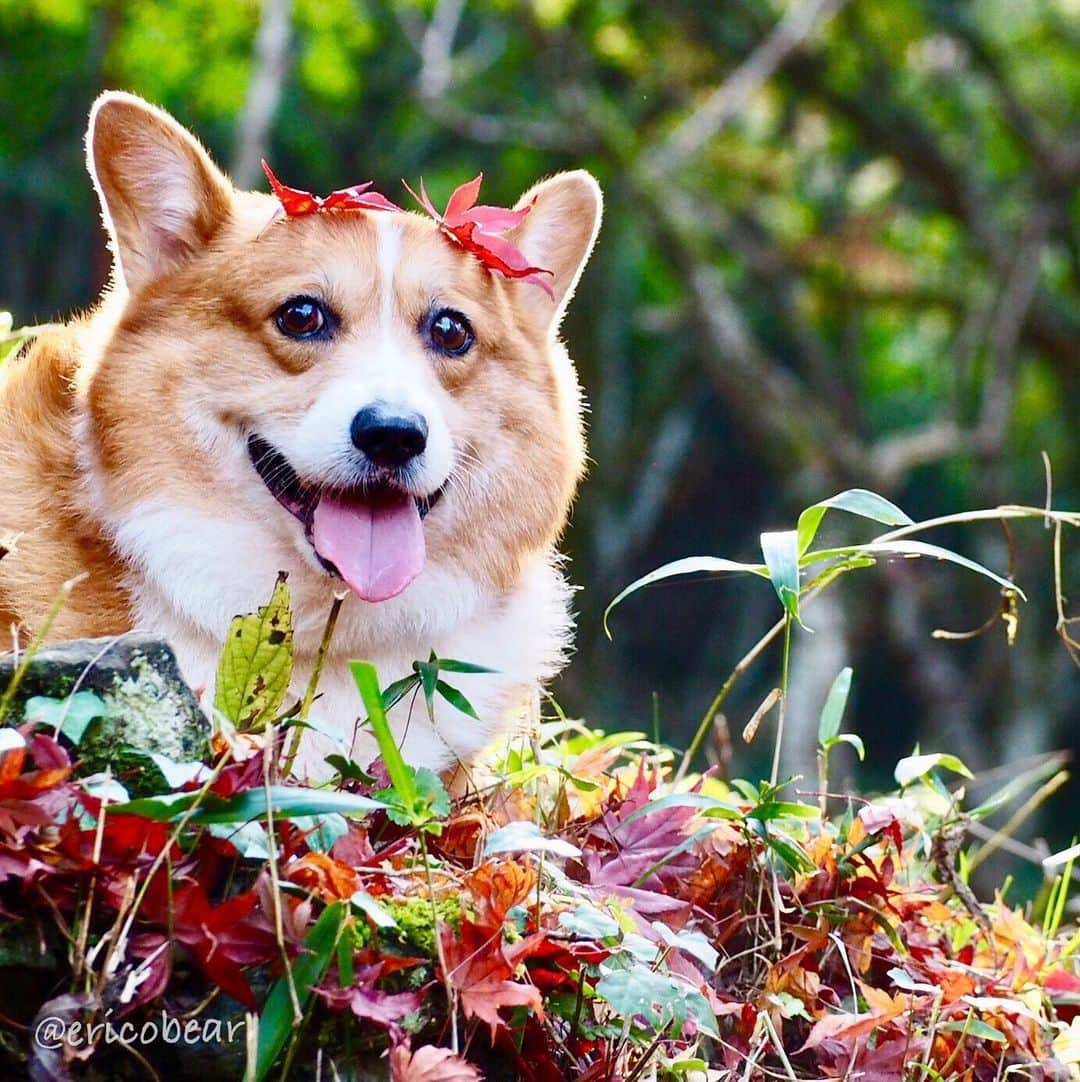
329,879
498,886
464,834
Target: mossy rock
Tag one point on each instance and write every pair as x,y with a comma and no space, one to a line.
145,706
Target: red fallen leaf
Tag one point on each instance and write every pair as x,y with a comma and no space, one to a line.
848,1028
555,964
236,778
368,1003
296,203
430,1064
222,939
1060,983
52,762
479,229
480,972
633,849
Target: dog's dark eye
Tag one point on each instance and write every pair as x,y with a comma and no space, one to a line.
450,332
301,317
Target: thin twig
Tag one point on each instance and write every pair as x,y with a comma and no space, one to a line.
1033,802
313,683
39,638
275,889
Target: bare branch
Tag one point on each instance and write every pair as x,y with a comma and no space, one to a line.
1016,300
271,64
437,47
732,96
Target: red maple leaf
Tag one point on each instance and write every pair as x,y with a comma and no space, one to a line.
222,939
480,229
296,203
430,1064
633,846
370,1004
480,972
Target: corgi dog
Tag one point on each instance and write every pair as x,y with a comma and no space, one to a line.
350,396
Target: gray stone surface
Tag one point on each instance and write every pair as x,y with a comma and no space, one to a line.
149,707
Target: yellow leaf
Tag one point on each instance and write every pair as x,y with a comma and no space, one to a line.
256,662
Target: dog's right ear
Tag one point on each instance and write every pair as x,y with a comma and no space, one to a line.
162,198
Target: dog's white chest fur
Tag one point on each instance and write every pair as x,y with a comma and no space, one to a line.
191,577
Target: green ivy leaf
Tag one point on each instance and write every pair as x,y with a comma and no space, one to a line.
256,662
72,714
659,998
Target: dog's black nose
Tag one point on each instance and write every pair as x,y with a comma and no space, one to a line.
388,439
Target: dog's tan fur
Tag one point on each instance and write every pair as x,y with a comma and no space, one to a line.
126,429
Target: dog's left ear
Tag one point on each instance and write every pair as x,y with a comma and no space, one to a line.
558,235
162,198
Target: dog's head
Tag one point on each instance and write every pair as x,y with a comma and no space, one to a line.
354,383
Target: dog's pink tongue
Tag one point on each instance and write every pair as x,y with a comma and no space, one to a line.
378,547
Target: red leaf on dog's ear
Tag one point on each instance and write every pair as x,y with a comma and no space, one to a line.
479,230
462,200
499,255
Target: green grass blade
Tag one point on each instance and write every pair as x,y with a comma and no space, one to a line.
277,1021
401,778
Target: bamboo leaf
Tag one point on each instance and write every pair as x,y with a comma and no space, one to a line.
832,712
690,565
781,552
856,501
285,802
910,548
456,699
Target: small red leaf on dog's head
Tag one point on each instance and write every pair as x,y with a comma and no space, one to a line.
296,203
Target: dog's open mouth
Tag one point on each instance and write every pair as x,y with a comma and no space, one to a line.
371,536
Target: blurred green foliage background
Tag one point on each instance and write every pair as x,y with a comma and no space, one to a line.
841,247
